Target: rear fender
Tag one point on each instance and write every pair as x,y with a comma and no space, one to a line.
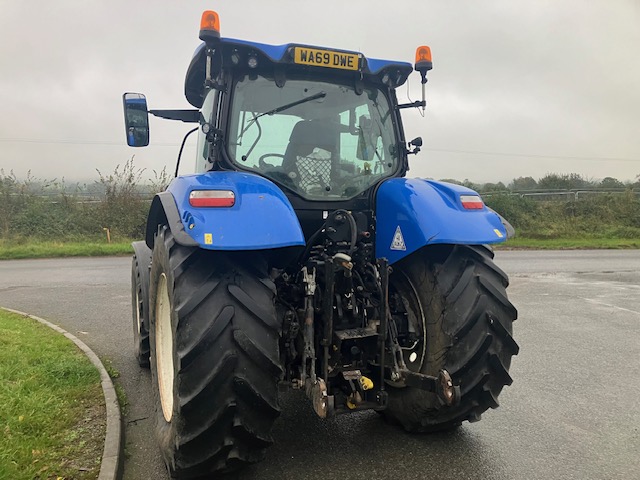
413,212
261,217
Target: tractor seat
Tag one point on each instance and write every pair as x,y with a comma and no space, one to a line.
311,154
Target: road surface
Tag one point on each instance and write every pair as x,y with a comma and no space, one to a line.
572,412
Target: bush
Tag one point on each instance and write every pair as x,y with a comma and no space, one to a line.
124,208
591,217
51,210
521,212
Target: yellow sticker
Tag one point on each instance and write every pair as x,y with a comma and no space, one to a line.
498,233
208,239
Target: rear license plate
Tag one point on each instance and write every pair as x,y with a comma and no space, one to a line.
326,58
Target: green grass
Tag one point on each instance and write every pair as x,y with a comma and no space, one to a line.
10,250
570,243
52,417
123,402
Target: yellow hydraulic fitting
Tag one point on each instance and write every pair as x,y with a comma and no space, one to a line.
365,383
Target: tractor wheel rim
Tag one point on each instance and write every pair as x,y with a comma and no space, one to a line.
164,349
415,357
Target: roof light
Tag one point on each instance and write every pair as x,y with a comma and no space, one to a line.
209,26
472,202
252,61
212,198
423,65
391,78
423,59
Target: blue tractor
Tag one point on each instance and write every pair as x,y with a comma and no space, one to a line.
300,257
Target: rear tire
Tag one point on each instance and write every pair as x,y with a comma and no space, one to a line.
459,295
215,362
140,302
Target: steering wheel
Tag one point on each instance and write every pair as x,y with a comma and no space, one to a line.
263,164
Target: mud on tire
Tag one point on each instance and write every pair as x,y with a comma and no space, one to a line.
224,356
468,321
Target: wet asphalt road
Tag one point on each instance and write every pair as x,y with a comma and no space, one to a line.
573,411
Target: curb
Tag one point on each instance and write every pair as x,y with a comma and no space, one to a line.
111,465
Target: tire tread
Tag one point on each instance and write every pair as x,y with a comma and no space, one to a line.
227,361
464,291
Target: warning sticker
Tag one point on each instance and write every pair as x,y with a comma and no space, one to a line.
398,240
208,239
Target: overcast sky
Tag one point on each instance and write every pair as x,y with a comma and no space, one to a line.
517,89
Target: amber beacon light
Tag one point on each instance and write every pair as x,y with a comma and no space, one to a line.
423,59
423,65
209,26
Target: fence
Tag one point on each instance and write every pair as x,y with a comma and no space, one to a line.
566,195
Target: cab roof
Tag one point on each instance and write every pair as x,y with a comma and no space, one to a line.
392,73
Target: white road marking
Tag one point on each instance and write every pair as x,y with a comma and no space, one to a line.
609,305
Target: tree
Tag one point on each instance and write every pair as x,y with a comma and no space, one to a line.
523,183
493,187
610,182
469,184
571,181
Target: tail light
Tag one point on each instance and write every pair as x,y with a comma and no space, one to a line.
212,198
471,202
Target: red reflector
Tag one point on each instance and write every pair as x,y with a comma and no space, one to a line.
212,198
471,202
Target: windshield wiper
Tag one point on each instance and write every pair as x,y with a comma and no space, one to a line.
276,110
289,105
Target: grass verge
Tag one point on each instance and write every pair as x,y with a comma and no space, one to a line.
52,413
570,243
120,393
41,249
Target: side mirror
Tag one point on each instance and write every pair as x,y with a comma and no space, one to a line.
416,143
366,139
136,119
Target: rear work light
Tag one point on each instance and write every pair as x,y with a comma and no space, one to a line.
471,202
212,198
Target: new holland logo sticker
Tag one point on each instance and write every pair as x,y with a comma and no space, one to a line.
398,241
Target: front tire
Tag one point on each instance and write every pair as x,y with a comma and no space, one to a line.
140,302
456,298
215,362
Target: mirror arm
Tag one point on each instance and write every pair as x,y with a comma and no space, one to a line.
187,116
416,104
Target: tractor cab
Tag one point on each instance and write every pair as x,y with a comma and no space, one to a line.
319,123
323,124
